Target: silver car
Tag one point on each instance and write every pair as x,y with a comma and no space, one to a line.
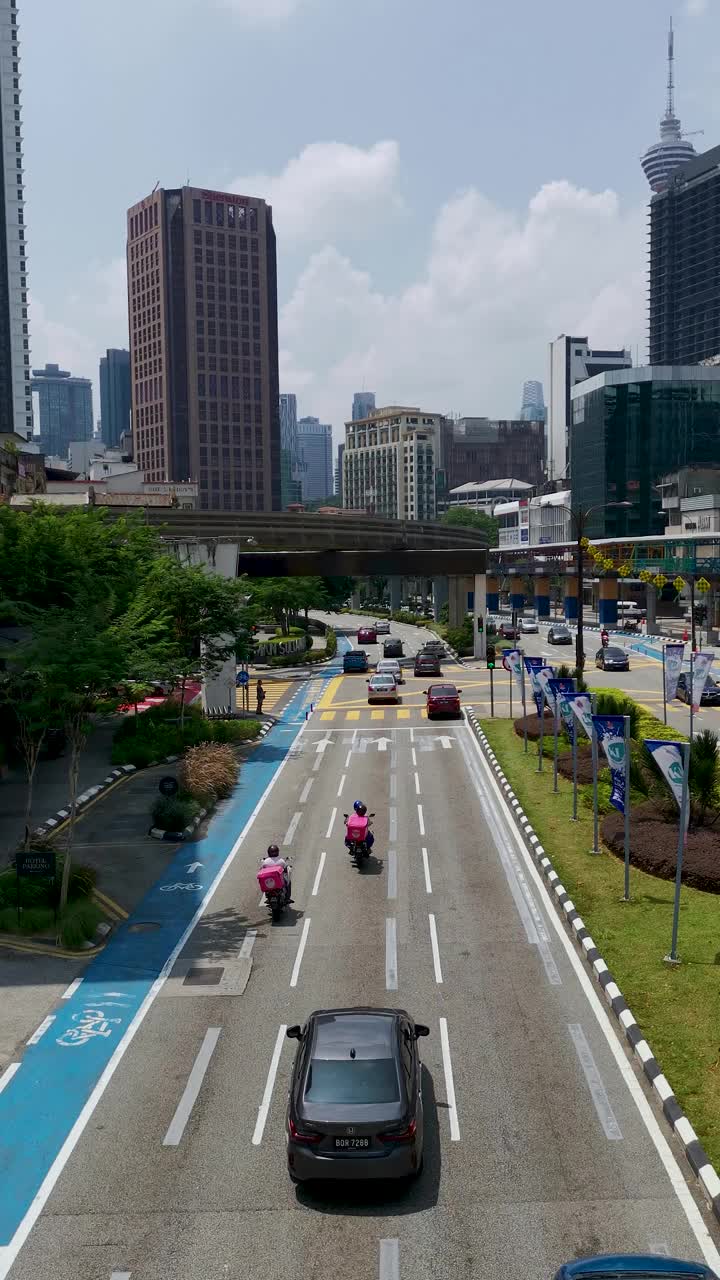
355,1103
528,626
382,627
383,688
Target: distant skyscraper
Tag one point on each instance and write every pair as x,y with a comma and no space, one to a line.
66,411
363,405
315,450
115,396
571,361
533,405
339,473
290,487
15,394
202,283
673,149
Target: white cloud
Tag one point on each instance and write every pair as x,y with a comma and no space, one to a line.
329,186
256,12
695,8
496,288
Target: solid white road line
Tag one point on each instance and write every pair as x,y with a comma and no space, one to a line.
293,827
8,1074
659,1140
391,974
44,1025
417,784
9,1252
435,949
389,1260
331,824
300,952
269,1086
449,1082
342,784
606,1115
71,989
426,869
197,1075
318,877
248,943
392,874
421,820
306,790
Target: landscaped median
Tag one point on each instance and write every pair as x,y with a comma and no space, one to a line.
677,1009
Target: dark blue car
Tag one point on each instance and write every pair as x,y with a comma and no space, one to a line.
625,1266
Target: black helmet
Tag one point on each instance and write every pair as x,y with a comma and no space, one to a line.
361,809
273,851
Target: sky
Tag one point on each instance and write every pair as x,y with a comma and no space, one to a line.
452,185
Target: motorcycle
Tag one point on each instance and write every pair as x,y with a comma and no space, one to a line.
275,888
358,836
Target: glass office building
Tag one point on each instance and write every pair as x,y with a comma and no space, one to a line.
630,427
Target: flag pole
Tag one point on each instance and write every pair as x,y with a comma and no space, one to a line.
524,705
682,844
664,686
555,745
692,694
574,768
626,806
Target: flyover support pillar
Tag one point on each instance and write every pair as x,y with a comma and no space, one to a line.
608,603
542,596
492,594
571,598
440,596
480,616
517,595
218,688
395,584
457,601
651,610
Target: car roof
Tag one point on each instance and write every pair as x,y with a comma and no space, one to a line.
617,1264
370,1034
382,677
446,684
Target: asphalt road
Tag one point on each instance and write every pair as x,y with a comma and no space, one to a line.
540,1142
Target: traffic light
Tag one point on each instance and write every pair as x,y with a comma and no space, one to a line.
480,625
491,657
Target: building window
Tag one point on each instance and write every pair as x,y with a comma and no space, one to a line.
208,212
219,215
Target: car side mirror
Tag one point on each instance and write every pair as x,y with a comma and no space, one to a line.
420,1030
426,691
372,815
345,815
459,690
294,1033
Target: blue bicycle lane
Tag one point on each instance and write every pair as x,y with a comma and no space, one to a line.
45,1105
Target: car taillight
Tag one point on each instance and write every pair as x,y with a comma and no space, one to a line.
399,1135
298,1136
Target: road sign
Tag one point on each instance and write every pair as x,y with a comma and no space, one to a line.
168,786
242,679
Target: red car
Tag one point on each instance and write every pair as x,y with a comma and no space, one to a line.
443,699
367,635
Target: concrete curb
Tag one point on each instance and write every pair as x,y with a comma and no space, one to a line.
92,793
674,1115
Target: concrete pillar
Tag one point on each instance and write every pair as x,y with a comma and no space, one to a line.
493,593
571,598
608,602
457,601
542,596
517,594
218,690
480,615
440,596
651,607
395,584
355,601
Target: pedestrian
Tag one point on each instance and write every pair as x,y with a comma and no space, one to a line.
260,695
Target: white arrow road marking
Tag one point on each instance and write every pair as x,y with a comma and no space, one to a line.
192,867
323,743
447,743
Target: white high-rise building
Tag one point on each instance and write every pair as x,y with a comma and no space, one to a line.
571,361
390,463
15,395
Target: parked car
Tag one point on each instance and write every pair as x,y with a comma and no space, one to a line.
443,699
355,660
383,688
393,648
507,631
390,667
355,1105
612,658
528,626
367,635
427,664
710,694
559,634
636,1266
382,627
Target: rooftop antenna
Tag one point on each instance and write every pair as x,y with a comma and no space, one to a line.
157,184
670,112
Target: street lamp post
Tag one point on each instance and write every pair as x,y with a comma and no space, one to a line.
580,519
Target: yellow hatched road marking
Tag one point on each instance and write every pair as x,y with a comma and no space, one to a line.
377,714
352,715
327,715
403,713
328,696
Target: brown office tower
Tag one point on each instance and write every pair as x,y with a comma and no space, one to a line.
202,304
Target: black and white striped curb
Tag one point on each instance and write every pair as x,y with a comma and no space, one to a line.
92,793
678,1121
189,831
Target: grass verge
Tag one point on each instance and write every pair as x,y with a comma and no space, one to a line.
678,1009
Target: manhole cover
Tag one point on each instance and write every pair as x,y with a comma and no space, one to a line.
143,926
203,977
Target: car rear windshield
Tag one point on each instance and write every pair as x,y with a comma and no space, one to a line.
443,691
359,1080
612,652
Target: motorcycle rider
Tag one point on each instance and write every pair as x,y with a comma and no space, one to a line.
361,811
274,858
604,638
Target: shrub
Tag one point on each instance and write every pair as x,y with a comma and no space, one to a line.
174,813
32,920
461,638
330,643
234,730
209,772
610,703
704,777
564,672
78,924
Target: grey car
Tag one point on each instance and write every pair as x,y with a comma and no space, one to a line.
355,1105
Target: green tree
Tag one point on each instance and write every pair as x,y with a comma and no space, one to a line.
338,591
33,712
278,597
473,520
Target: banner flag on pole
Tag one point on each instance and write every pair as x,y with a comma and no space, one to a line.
514,661
532,666
702,663
668,757
581,707
611,733
560,688
545,675
673,666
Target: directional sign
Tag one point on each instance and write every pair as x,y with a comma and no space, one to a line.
427,743
447,743
362,744
192,866
322,744
242,679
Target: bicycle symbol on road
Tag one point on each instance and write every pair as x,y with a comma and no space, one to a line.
171,888
91,1023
